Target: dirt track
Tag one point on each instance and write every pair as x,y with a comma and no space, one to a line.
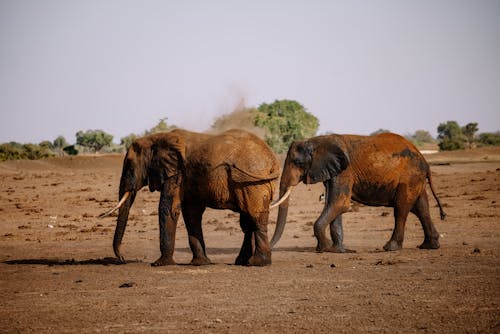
57,273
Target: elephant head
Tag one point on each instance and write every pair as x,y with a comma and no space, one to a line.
310,161
149,161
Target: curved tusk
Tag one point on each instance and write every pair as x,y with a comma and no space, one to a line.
282,199
120,203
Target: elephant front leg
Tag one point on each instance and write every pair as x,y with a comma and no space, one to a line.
396,241
192,218
336,203
337,234
168,214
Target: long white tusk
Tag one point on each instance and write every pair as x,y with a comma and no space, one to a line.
282,199
120,203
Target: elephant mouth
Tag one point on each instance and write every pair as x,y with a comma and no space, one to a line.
119,205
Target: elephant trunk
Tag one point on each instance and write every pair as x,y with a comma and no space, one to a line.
121,224
280,224
285,190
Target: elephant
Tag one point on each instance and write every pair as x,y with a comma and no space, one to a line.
233,170
379,170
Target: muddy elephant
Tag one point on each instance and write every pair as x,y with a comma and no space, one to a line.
381,170
233,170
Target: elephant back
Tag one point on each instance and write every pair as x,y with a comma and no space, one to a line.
247,157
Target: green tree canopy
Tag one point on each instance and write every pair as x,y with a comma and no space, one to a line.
93,139
450,136
285,121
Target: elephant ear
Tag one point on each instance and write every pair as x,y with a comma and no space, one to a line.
167,160
327,162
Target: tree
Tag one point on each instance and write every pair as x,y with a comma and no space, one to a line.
469,132
93,139
285,121
450,136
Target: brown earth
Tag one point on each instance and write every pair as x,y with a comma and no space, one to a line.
57,273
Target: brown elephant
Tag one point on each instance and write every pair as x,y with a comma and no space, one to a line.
233,170
382,170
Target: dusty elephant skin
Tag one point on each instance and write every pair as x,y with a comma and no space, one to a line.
383,170
234,170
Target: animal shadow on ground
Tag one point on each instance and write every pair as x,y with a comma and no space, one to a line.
72,262
106,261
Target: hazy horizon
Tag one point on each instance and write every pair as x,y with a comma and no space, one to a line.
121,66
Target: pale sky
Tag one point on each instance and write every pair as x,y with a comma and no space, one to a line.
358,66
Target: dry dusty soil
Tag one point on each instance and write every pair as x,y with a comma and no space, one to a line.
57,272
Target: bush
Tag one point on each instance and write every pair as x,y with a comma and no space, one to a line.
489,139
16,151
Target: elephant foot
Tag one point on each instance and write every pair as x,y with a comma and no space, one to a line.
200,261
163,261
260,260
339,249
429,245
323,247
393,245
242,260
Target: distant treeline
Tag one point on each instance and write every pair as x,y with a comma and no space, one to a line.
279,124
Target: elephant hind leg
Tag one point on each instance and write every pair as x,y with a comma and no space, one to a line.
398,234
401,211
421,210
246,250
256,250
192,219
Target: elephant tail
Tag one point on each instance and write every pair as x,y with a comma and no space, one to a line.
441,211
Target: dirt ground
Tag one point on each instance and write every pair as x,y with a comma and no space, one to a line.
57,272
